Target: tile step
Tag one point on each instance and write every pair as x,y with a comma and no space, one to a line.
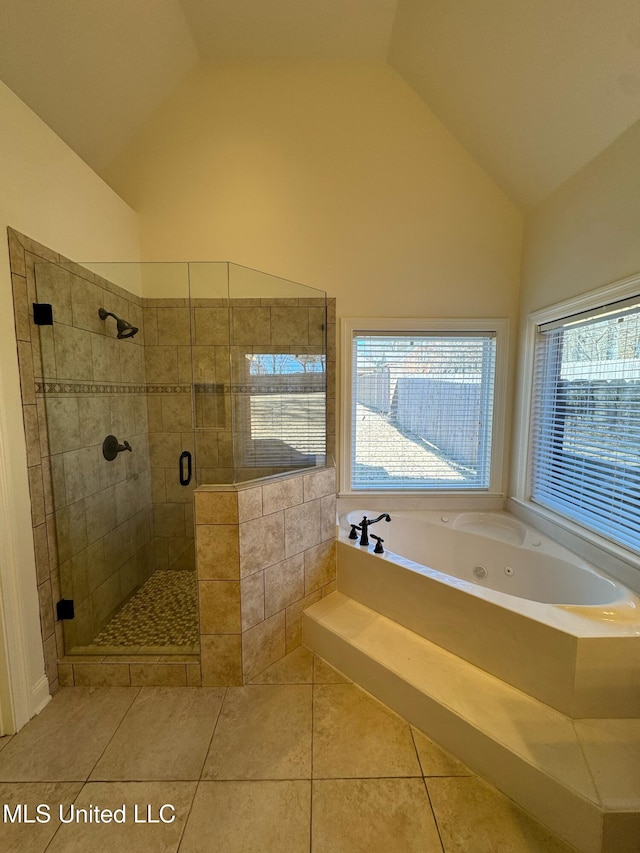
580,778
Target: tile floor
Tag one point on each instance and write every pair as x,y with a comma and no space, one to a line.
143,619
299,760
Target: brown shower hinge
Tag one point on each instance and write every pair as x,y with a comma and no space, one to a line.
42,314
65,609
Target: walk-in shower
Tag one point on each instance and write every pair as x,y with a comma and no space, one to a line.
217,376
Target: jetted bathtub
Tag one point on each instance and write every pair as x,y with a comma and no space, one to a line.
505,597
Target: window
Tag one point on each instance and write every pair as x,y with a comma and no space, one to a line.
422,404
585,425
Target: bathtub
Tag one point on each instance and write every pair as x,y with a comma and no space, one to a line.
498,593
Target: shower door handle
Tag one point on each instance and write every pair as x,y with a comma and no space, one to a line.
185,479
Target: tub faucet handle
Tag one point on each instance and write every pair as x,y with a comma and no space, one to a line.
353,534
378,549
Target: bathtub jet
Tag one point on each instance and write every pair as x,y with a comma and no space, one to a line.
125,329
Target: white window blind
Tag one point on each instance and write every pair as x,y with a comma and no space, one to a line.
585,448
422,410
286,396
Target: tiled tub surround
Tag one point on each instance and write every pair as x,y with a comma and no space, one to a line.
264,553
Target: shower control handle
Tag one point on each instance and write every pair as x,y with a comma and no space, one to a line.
185,478
111,447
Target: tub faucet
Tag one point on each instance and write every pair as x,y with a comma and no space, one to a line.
366,523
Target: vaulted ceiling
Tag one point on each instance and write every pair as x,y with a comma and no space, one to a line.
534,89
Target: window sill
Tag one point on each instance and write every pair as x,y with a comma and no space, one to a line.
458,500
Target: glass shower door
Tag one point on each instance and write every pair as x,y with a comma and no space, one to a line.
91,394
115,390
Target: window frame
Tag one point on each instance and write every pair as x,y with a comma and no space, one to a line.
523,474
349,326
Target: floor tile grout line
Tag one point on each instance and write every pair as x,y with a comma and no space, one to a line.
144,780
60,825
361,778
255,779
433,812
186,820
313,696
116,730
426,788
43,781
415,746
215,726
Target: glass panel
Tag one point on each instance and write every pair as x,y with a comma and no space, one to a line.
278,374
117,362
209,293
92,387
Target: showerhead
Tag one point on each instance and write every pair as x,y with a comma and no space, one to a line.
125,329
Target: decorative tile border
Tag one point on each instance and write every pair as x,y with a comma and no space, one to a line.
168,389
51,388
311,388
85,388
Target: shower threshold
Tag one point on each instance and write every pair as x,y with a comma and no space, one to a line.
160,618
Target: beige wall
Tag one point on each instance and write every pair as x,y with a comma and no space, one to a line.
583,237
586,234
47,192
335,175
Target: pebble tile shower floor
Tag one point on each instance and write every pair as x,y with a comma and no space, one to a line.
299,760
163,612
